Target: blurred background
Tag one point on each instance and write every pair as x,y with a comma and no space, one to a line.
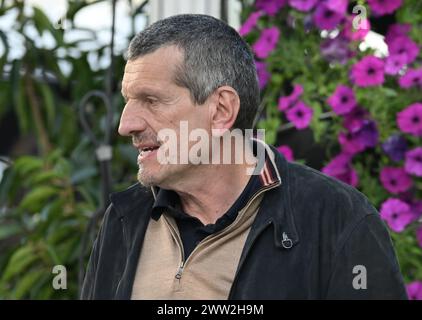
341,92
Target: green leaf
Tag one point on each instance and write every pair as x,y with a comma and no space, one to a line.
8,230
25,284
48,104
25,165
20,260
37,197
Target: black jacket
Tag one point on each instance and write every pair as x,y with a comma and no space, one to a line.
313,238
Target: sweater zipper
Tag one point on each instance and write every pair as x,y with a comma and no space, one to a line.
176,235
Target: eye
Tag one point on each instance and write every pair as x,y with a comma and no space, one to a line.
151,101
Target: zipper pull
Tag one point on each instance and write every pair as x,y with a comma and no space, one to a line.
287,243
179,273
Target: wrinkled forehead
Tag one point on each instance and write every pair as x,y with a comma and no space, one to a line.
160,64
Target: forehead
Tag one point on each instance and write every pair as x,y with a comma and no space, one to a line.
153,68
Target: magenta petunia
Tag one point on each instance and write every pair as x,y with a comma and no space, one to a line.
403,45
413,162
287,152
339,6
354,120
419,236
300,115
340,168
250,23
409,120
395,63
350,143
397,30
396,213
367,134
342,100
413,77
263,74
395,180
383,7
369,71
414,290
355,34
326,18
303,5
271,7
289,101
266,42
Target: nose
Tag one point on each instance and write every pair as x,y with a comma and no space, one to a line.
131,121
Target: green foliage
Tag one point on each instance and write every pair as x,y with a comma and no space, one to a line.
47,199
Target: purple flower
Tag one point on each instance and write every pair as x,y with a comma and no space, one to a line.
263,74
409,120
350,33
367,135
350,143
339,6
354,120
266,42
303,5
342,100
383,7
287,152
340,168
250,23
419,236
395,180
413,77
287,102
413,162
405,46
271,7
326,18
394,63
300,115
336,50
396,213
369,71
395,147
397,30
414,290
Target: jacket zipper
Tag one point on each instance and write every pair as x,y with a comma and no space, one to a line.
176,235
126,248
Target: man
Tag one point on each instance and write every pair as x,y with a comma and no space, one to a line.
211,229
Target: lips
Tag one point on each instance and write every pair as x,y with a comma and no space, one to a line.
146,151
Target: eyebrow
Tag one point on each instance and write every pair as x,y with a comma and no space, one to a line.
143,93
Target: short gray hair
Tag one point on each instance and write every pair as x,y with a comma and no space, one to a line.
214,55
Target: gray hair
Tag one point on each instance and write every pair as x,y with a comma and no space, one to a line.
214,55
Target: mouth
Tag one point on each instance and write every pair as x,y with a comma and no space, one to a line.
147,151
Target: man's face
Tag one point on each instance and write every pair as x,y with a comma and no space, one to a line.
154,102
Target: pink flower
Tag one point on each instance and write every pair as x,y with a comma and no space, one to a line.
414,290
250,23
349,32
266,42
395,180
286,151
326,18
287,102
383,7
368,72
396,213
403,45
354,120
413,77
300,115
263,74
413,162
397,30
340,168
409,120
349,143
342,100
271,7
303,5
394,63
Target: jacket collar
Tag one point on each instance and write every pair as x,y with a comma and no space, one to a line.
275,207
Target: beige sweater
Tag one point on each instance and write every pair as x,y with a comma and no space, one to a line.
208,272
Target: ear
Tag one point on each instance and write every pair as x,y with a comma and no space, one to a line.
226,105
